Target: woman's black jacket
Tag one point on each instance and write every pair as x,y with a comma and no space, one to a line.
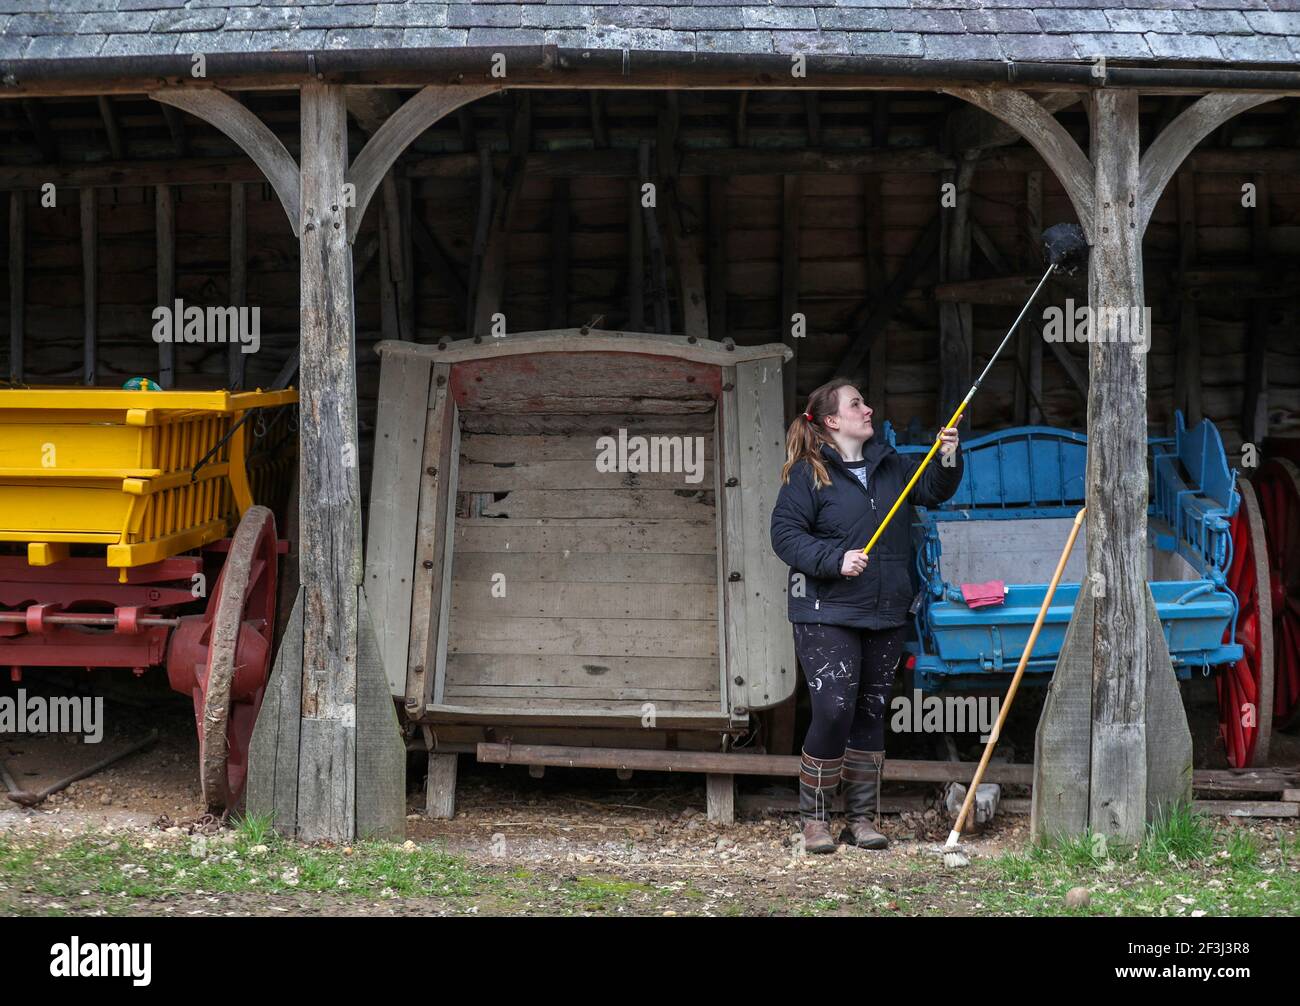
812,529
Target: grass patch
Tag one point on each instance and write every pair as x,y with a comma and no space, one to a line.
249,859
1184,865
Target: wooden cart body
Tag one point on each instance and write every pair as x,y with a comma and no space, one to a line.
514,583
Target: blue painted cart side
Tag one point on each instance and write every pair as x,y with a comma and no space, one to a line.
1037,473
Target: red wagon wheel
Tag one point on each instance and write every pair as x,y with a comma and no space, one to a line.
1278,487
238,659
1245,722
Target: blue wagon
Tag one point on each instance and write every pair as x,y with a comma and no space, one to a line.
1009,520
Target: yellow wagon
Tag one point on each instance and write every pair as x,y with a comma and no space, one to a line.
124,511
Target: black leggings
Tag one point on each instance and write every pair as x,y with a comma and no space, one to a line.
850,673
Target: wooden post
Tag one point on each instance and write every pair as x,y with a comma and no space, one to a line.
1187,378
1135,758
717,257
956,328
89,280
877,281
165,245
17,287
238,276
560,253
790,199
635,259
1254,405
347,782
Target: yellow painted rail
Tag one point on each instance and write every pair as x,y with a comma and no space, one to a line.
115,467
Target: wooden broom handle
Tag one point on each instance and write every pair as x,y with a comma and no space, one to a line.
1020,670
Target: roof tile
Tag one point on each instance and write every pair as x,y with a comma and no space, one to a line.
962,47
1183,46
1037,47
994,21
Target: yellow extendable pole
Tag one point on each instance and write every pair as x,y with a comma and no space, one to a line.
956,416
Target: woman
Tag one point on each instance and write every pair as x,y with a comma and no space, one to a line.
849,612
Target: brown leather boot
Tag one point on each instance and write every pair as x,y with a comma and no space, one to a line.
862,771
818,779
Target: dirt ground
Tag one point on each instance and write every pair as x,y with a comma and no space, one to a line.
583,828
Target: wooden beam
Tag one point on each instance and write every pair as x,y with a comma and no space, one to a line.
619,163
116,145
1187,376
635,258
971,128
605,163
397,133
688,261
1030,345
238,277
165,272
490,291
176,126
330,491
599,127
560,253
46,141
17,284
1141,748
1254,404
89,281
1168,150
443,267
877,278
1046,135
882,309
482,228
252,135
654,243
791,198
956,322
717,257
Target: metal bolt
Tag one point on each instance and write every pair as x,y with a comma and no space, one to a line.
427,564
738,680
431,470
734,578
733,481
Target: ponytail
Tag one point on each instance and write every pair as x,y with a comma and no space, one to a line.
804,438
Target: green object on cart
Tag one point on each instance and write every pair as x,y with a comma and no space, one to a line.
141,384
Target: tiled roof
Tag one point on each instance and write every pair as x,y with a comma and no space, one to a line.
1249,31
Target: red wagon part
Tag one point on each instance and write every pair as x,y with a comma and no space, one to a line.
1245,722
1277,485
221,658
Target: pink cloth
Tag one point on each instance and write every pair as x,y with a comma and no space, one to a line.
981,595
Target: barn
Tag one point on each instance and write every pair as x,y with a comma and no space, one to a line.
478,237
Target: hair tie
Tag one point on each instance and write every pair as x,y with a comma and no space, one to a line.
808,416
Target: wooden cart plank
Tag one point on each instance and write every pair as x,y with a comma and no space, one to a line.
688,503
578,568
694,673
614,637
479,599
396,479
597,535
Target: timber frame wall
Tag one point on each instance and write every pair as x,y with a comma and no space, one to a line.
1113,745
805,201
